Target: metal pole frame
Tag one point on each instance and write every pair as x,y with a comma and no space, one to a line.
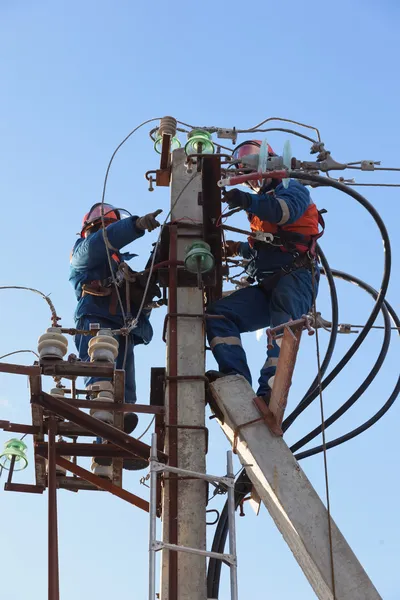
53,574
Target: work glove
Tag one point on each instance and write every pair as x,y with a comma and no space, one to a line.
232,248
237,199
149,221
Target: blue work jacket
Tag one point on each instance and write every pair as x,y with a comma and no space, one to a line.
89,263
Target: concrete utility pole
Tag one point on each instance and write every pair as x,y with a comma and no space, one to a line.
183,575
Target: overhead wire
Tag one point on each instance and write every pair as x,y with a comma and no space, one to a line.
18,352
104,232
322,412
54,317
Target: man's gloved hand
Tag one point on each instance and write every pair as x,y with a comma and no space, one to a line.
149,221
237,199
232,248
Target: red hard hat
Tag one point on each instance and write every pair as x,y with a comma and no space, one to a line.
93,217
250,147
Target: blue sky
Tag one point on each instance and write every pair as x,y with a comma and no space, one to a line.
76,78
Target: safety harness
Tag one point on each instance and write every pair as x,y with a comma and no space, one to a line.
131,282
302,248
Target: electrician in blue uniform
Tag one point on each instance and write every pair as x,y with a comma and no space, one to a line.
90,276
281,271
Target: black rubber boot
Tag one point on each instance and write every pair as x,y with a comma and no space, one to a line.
214,375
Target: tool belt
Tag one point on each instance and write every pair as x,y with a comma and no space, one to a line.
301,261
132,285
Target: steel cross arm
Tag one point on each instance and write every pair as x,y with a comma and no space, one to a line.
18,427
157,545
69,449
113,406
108,432
19,369
103,483
159,467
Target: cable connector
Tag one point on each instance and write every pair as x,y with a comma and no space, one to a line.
227,134
369,165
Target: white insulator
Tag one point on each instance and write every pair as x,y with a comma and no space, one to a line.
52,344
57,392
94,388
167,126
103,347
103,415
102,470
60,471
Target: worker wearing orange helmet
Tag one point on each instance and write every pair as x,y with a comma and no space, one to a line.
92,279
281,264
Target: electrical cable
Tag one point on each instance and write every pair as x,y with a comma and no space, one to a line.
305,402
147,428
321,404
361,389
284,130
243,487
150,270
335,318
283,121
344,438
54,317
105,237
18,352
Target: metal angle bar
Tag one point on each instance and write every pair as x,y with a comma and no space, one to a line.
53,575
19,369
99,428
157,546
103,483
35,384
24,488
153,518
111,406
232,528
18,427
228,481
77,369
69,449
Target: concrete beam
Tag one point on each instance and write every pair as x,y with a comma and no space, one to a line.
290,498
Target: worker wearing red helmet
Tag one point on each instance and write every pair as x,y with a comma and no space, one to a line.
280,264
90,275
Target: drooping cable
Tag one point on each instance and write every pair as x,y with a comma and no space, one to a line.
379,301
360,390
54,317
18,352
386,406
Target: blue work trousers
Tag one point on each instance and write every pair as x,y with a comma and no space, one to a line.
82,343
250,309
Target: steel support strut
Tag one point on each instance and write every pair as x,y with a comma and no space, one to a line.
54,591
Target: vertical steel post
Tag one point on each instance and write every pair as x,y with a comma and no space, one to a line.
232,528
153,518
53,577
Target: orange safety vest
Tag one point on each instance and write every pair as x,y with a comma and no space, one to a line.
307,226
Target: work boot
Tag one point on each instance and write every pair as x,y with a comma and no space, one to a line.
214,375
209,398
265,397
